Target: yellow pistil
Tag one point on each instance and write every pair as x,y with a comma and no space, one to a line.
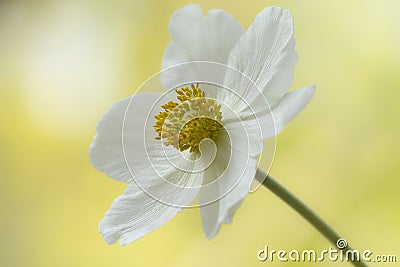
184,125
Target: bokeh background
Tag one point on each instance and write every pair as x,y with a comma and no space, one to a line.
63,63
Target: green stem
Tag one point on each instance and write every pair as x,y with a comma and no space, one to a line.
303,210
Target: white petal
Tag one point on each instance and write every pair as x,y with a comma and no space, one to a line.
222,211
291,104
106,152
252,134
199,38
230,188
266,55
134,213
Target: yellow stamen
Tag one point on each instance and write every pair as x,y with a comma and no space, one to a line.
184,125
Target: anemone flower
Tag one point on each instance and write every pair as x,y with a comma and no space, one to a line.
161,145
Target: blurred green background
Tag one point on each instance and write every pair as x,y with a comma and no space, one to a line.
63,63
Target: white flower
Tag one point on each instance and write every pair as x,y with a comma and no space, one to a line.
161,168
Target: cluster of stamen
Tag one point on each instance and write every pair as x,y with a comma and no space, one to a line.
183,125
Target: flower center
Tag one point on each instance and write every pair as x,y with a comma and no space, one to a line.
183,125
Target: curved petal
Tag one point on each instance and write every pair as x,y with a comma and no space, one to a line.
134,213
288,107
215,214
265,54
106,151
199,38
222,197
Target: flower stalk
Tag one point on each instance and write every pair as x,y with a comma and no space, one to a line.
301,208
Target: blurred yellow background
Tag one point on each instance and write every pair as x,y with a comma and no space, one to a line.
63,63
